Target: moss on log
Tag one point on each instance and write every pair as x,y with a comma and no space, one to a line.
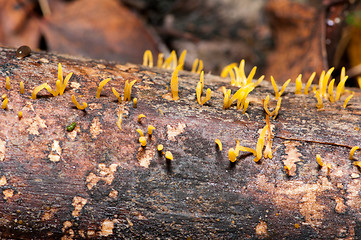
96,181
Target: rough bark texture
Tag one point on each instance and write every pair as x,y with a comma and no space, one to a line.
97,182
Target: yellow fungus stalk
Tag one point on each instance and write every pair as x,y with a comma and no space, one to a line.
260,144
319,104
227,94
101,85
4,105
168,155
227,69
37,89
150,129
352,152
219,144
171,61
359,82
283,88
160,60
245,106
357,163
199,91
274,113
199,63
141,134
251,75
299,84
50,90
160,147
260,79
325,82
341,84
319,160
4,96
120,119
135,102
148,58
309,82
320,82
128,90
182,58
232,155
347,100
65,83
143,141
60,73
275,88
58,87
174,83
81,107
330,91
20,115
194,65
140,117
265,103
7,84
117,94
22,88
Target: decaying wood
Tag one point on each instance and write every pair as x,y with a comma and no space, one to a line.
97,181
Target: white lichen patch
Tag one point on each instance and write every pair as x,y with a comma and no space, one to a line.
95,128
72,135
261,229
3,181
2,150
144,156
35,124
292,156
95,106
66,225
311,209
8,193
55,153
78,203
173,131
353,194
104,173
49,214
106,228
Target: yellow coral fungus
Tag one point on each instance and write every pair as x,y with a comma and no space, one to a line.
341,84
160,60
22,89
140,117
20,115
352,152
346,100
260,144
275,88
81,107
330,91
219,144
50,90
148,58
227,69
120,119
174,83
198,63
232,155
182,58
171,61
325,82
319,104
309,82
160,147
37,89
265,103
238,75
199,91
319,160
117,94
63,82
135,102
299,84
7,84
141,134
150,129
359,82
4,105
101,85
168,155
283,88
143,141
274,113
357,163
128,90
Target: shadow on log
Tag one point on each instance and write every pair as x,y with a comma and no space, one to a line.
96,181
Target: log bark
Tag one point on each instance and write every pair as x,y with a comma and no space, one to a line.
98,182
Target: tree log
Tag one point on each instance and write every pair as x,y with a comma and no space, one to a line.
98,182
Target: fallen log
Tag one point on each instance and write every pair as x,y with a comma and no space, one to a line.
97,181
